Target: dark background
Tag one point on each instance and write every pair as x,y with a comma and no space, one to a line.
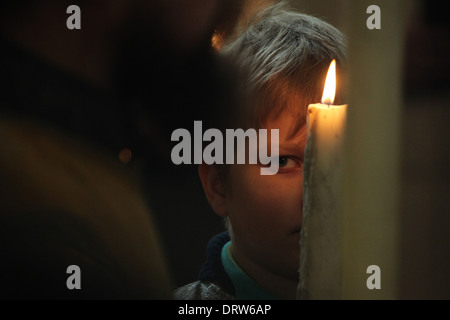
425,215
172,90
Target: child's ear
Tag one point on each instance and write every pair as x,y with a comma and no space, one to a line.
214,189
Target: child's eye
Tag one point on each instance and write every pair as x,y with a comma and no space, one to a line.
288,162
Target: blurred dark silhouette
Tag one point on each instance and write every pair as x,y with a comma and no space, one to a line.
425,220
427,64
85,123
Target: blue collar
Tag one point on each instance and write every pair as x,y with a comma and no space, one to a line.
245,287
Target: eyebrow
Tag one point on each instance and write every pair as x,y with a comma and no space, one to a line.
291,147
294,140
296,129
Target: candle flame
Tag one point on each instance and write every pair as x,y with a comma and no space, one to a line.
329,90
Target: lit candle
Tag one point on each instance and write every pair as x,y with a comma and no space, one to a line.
320,242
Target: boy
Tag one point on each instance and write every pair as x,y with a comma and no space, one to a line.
285,56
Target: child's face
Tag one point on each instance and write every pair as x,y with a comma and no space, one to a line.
265,211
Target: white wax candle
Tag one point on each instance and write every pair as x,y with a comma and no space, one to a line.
320,236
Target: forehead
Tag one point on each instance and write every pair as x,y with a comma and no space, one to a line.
287,124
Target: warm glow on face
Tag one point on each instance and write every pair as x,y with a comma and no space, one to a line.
330,85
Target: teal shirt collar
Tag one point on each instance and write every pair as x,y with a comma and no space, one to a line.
245,287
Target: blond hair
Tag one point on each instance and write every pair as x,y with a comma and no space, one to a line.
283,57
